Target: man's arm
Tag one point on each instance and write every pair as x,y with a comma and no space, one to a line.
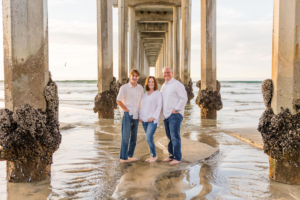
121,104
182,95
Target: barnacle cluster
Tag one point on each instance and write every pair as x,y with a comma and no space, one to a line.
280,133
29,133
189,90
209,99
106,101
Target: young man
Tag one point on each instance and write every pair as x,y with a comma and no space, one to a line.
174,101
129,99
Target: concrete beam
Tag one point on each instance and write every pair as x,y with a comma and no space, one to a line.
153,41
25,37
208,45
153,27
286,55
153,17
105,45
153,35
186,40
154,2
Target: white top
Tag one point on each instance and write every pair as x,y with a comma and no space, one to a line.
151,106
174,97
131,98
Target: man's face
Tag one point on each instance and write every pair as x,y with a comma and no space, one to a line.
134,77
168,74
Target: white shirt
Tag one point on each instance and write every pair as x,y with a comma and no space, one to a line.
131,98
174,97
151,106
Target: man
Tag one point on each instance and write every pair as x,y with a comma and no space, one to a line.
174,101
129,99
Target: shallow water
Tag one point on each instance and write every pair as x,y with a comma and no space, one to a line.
86,165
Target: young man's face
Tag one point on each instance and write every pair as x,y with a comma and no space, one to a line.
134,78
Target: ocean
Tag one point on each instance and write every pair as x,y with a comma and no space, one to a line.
86,166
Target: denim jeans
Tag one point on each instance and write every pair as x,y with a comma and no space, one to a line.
129,136
172,126
150,129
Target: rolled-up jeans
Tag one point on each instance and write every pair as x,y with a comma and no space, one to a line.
172,127
150,129
129,136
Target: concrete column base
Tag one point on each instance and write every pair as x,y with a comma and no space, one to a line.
208,113
106,115
27,172
285,171
160,81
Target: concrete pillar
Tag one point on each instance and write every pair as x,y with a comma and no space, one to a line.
170,46
123,50
26,74
167,49
105,45
286,77
286,55
208,53
176,41
142,59
208,45
132,39
186,41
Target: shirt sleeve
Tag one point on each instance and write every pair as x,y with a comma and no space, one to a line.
159,106
182,95
121,94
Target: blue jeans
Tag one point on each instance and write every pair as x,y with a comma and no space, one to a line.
129,136
172,126
150,129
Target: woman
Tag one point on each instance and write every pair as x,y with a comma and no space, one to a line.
151,107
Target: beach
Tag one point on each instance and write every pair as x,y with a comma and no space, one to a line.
222,159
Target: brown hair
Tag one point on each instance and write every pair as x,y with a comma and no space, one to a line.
147,81
134,71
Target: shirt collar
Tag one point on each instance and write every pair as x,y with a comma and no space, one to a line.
131,85
170,81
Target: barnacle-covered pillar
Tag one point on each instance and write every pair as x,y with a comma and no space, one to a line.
186,9
105,100
209,98
280,123
29,126
176,41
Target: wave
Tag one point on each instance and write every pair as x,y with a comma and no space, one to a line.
248,82
231,92
78,81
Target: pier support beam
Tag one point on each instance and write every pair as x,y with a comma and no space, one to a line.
176,41
123,42
186,6
105,100
280,127
209,83
29,127
133,43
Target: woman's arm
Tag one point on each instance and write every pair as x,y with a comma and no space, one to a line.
158,107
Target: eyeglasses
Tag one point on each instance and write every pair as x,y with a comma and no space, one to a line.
167,72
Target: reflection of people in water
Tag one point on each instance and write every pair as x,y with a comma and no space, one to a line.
129,99
174,101
150,113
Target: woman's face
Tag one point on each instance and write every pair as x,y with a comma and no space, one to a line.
151,83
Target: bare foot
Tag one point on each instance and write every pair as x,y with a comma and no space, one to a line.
124,161
153,159
148,159
167,160
175,162
132,159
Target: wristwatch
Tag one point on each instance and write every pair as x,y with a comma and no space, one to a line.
177,111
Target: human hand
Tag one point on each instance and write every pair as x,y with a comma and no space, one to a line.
174,112
140,120
151,119
126,110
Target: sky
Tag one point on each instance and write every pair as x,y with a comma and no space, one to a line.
244,39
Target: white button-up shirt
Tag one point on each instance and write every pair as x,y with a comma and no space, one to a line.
131,98
151,106
174,97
